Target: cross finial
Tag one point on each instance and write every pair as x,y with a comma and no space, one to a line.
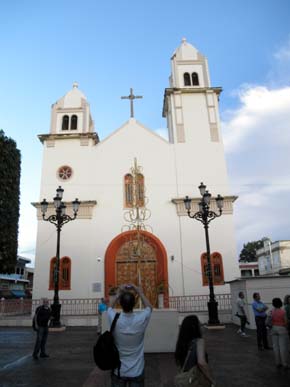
131,97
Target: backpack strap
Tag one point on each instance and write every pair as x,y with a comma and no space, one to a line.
117,315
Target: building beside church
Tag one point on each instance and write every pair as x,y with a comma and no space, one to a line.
274,257
97,249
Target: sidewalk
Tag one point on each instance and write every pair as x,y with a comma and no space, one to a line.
235,361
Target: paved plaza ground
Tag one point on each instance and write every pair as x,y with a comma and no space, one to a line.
235,361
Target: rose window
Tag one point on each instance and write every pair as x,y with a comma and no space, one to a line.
65,172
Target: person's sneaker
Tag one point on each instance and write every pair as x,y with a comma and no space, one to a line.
44,355
244,335
35,357
279,366
239,331
269,348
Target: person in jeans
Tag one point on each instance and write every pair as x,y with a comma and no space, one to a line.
279,334
41,319
241,313
129,336
259,309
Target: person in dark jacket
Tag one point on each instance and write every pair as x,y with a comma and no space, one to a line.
41,320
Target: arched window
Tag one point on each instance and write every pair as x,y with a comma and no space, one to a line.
65,274
195,81
65,120
64,279
186,78
51,273
74,122
140,190
204,269
217,267
129,192
216,263
128,182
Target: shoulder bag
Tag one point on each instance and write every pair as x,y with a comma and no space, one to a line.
195,376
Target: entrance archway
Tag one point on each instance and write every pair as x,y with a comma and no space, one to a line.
122,267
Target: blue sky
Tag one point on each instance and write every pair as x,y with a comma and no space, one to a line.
108,47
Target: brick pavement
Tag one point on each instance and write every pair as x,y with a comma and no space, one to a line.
235,361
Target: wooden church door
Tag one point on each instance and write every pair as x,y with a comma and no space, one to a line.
138,270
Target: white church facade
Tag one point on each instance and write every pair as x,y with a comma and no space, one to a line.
95,248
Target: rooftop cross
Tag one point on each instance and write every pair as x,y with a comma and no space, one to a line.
131,97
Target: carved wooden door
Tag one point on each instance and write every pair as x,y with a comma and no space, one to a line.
136,270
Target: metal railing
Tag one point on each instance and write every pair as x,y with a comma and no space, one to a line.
75,307
15,307
198,303
89,306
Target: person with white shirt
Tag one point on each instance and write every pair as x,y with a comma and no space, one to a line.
129,336
241,313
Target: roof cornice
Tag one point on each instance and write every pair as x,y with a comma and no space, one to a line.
66,136
188,90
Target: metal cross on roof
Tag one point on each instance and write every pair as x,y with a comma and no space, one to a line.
131,97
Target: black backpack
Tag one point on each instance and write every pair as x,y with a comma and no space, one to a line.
106,354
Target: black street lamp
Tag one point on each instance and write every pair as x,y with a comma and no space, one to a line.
58,219
205,216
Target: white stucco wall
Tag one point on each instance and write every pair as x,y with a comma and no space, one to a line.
98,175
268,287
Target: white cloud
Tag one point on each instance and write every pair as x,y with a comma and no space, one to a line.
262,112
257,144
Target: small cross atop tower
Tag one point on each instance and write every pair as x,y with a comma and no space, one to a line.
131,97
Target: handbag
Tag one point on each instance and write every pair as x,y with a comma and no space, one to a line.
195,376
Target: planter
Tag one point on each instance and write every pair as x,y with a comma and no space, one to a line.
160,301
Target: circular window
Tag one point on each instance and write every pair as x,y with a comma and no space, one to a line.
65,172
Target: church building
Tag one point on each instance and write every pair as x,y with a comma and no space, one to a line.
132,225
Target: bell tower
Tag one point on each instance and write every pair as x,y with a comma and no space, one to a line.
190,99
71,114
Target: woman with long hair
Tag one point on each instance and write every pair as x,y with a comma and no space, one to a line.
190,347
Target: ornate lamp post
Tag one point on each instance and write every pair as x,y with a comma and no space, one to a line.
58,219
205,216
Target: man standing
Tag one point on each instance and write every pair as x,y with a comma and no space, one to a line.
241,313
41,319
129,336
259,309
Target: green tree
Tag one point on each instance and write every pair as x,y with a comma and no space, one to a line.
10,162
249,251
